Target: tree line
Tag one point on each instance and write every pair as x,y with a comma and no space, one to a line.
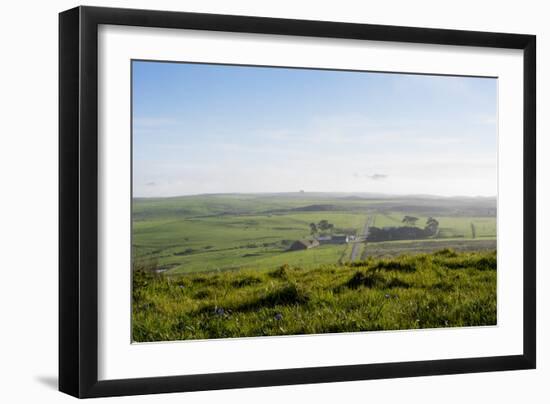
408,232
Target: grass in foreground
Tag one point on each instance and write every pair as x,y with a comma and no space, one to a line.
441,289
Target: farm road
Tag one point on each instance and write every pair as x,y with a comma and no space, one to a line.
362,238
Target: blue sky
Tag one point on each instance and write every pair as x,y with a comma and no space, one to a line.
200,128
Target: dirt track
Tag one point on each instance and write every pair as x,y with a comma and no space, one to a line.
361,239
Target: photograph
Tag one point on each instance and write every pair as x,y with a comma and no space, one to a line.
275,201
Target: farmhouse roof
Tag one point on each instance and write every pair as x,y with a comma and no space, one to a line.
307,243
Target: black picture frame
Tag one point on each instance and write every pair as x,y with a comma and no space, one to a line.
78,201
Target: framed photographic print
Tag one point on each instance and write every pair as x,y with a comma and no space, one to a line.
250,201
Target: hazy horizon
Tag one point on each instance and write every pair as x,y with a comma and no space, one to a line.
313,193
212,129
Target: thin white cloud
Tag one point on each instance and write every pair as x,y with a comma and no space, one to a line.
377,177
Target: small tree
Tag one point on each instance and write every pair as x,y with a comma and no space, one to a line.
410,220
313,228
432,226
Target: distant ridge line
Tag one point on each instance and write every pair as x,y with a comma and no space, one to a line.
340,195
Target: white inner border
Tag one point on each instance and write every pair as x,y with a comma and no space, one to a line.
118,358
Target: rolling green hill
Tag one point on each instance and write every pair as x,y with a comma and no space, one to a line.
247,231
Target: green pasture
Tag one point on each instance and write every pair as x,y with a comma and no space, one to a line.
245,231
403,247
233,241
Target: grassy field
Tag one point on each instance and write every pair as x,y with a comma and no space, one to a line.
396,248
441,289
206,233
235,241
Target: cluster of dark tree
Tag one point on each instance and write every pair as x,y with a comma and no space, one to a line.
405,232
322,227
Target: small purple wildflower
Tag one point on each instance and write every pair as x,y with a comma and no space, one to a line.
219,311
278,317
